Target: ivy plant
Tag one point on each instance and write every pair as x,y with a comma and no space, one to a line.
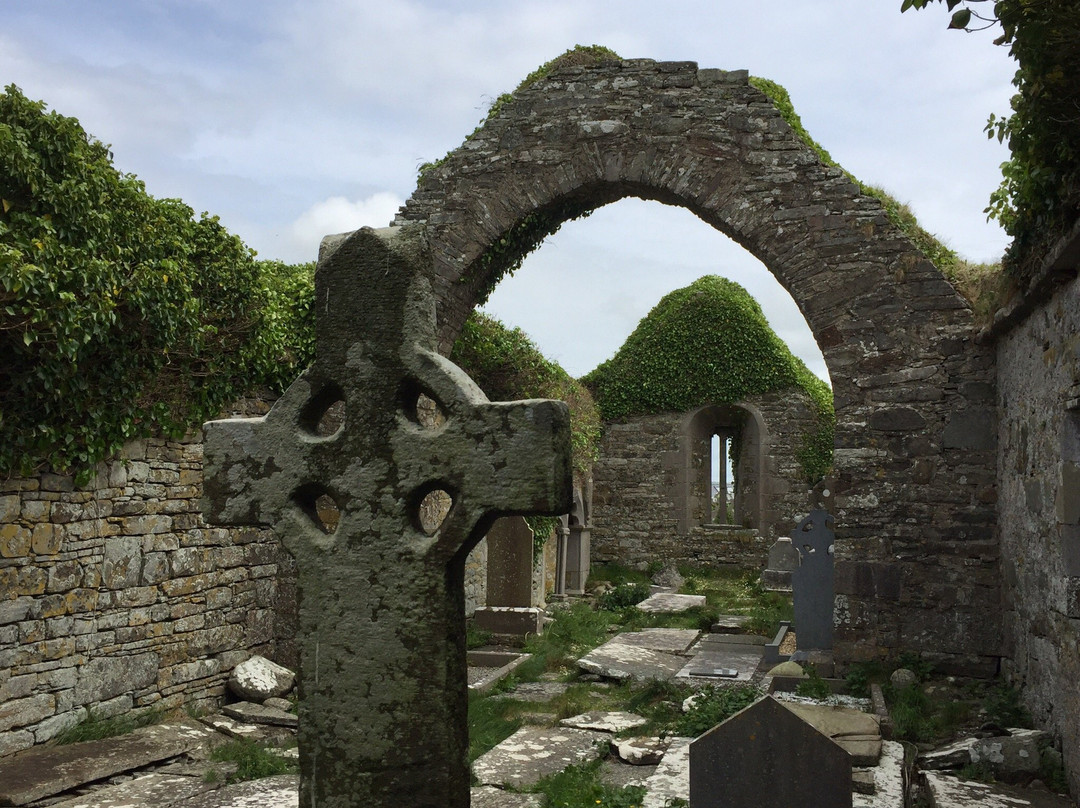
709,343
121,315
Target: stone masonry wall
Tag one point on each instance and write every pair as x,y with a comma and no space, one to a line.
915,468
1039,505
117,596
634,510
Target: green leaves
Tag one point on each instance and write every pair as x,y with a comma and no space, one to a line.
120,314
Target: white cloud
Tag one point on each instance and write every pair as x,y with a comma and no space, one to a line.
336,214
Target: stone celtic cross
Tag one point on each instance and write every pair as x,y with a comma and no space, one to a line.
383,693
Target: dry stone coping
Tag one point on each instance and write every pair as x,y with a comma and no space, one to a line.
612,722
671,780
155,789
44,771
670,603
257,679
947,791
535,752
259,714
281,791
491,797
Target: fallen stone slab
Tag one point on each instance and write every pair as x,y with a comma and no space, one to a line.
888,790
154,789
1013,755
952,756
45,771
946,791
670,603
618,660
535,752
671,780
642,751
259,714
536,692
863,749
836,721
670,640
605,721
281,791
491,797
232,727
730,624
734,639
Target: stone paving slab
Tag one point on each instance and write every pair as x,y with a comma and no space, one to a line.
671,780
535,752
951,792
730,624
281,791
44,771
671,640
618,660
536,692
712,657
670,603
154,789
491,797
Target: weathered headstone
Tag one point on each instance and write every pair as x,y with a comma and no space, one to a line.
783,561
510,605
382,677
767,757
813,589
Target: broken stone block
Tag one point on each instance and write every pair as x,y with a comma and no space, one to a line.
258,679
642,751
605,721
259,714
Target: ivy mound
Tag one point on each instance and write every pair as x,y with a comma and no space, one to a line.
709,343
122,315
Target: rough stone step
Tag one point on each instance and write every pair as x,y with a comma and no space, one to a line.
45,771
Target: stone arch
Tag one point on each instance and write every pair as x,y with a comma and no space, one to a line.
914,465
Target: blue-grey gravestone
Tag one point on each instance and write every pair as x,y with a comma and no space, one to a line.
813,589
767,757
383,690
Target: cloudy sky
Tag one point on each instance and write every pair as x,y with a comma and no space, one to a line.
291,119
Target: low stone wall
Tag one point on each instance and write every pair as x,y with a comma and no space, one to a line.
118,597
1039,507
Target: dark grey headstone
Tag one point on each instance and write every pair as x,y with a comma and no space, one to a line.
813,587
767,757
510,563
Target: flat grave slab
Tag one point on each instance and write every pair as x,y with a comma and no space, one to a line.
45,771
671,640
670,602
281,791
734,639
151,789
730,624
252,713
671,780
616,659
715,661
536,692
535,752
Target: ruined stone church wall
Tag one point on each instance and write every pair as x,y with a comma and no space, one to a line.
1039,508
117,596
636,488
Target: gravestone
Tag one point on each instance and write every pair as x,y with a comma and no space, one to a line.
813,590
783,561
767,757
382,678
511,608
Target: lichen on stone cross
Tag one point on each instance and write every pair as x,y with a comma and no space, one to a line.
383,692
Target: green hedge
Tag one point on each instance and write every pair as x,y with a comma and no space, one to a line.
122,315
709,343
